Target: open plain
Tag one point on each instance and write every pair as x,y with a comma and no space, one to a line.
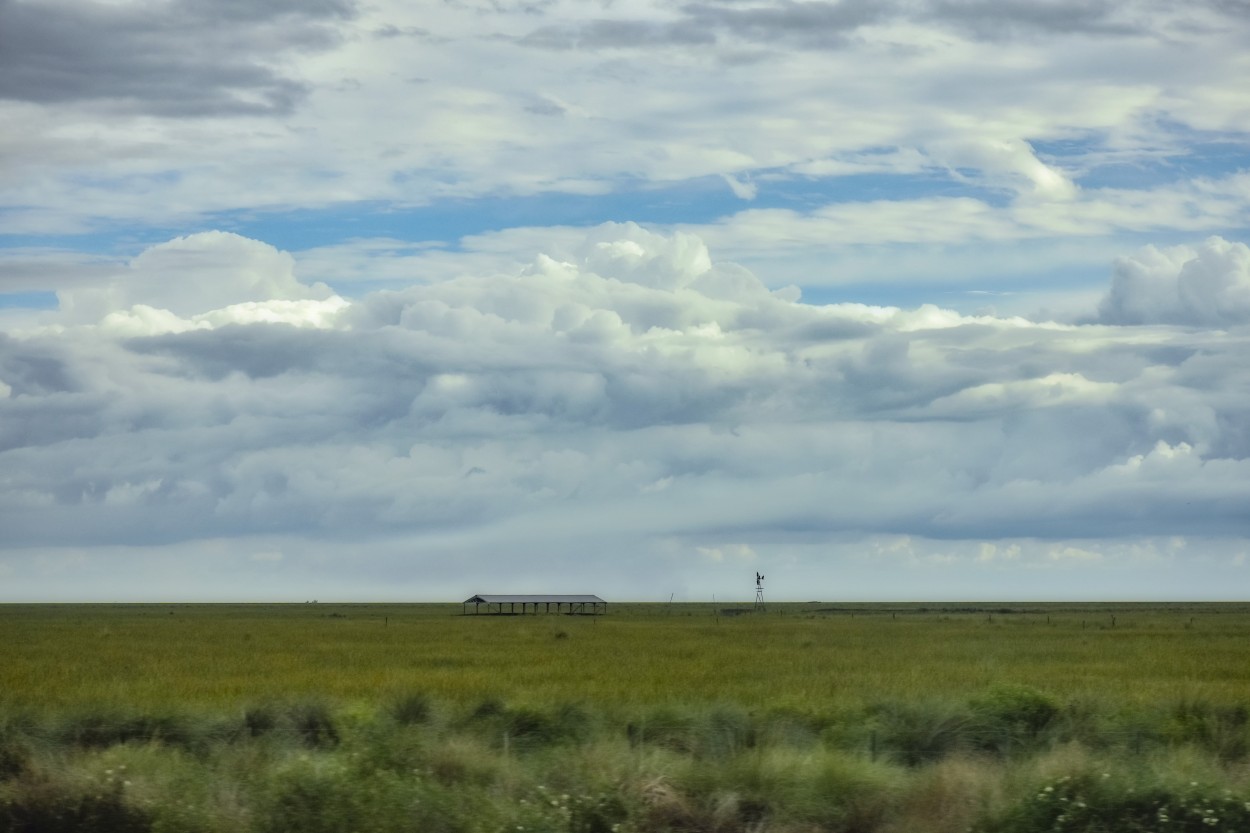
809,657
815,716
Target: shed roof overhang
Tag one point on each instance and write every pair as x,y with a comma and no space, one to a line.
533,599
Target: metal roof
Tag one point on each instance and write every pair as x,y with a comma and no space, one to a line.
484,599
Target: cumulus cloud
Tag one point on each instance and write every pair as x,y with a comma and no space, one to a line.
1203,286
475,381
634,389
205,279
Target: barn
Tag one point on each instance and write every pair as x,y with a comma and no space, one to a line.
589,605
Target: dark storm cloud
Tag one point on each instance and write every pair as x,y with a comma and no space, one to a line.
188,57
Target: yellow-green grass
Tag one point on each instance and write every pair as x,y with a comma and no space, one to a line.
806,657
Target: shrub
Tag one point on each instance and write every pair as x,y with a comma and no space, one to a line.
597,814
487,709
917,734
40,805
460,761
320,794
526,728
1011,716
259,720
574,723
785,789
717,733
14,757
410,709
666,728
726,732
1021,706
791,730
311,801
533,728
1221,730
1093,804
948,796
314,724
111,727
547,810
529,727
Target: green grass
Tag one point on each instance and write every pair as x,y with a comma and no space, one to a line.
1009,761
791,657
860,719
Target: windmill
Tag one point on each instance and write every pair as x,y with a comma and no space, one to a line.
759,591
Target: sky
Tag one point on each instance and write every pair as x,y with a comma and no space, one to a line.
408,301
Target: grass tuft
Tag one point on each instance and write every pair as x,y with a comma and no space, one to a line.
314,724
410,709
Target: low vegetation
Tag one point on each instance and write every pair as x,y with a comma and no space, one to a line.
389,718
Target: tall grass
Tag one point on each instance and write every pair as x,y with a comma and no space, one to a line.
496,766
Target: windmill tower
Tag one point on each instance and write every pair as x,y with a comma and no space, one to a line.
759,592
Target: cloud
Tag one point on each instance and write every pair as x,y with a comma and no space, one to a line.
1013,20
732,552
619,34
1203,286
816,24
171,59
457,352
803,24
163,114
636,387
1010,162
742,190
1069,553
225,277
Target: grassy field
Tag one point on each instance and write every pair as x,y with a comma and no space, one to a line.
808,657
885,718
